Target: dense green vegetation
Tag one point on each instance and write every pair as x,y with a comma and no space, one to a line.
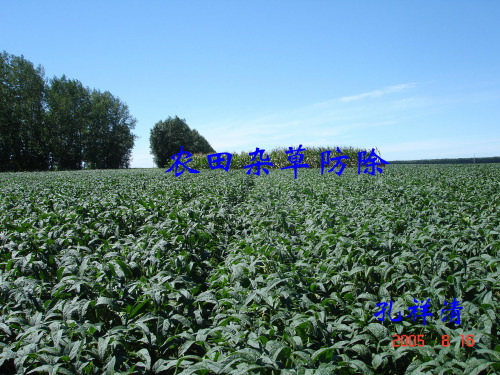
58,124
168,136
280,158
137,271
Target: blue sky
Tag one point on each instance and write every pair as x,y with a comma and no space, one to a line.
418,80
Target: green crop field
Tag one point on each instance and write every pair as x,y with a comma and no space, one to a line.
140,272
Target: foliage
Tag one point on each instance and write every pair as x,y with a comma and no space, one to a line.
68,119
23,139
140,272
58,124
279,158
168,136
109,141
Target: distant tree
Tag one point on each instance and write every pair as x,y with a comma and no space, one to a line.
200,144
122,140
109,141
68,119
23,136
6,126
167,137
59,124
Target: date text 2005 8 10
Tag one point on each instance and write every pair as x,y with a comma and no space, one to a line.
418,340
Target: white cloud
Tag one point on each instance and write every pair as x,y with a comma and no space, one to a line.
378,93
333,122
329,122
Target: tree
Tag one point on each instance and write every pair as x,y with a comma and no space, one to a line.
122,139
23,136
168,136
59,124
109,141
200,144
6,97
68,119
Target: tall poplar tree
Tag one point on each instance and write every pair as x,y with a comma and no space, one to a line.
68,121
24,143
109,140
59,124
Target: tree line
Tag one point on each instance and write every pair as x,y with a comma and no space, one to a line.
492,159
59,124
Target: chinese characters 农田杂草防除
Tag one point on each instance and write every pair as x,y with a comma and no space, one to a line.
370,163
